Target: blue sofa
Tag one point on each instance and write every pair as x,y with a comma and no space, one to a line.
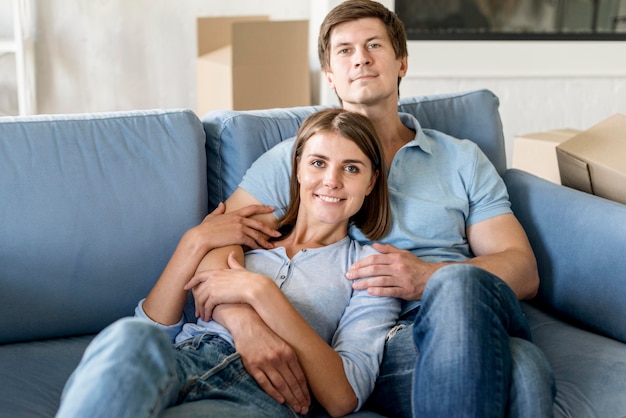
92,206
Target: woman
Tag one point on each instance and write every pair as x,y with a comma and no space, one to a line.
298,288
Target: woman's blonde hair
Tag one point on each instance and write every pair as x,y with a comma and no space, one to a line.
374,217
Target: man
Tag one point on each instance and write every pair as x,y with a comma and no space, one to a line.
456,254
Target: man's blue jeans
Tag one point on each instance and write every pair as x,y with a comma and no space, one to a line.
131,369
465,353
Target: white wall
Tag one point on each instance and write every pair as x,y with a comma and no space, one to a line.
119,55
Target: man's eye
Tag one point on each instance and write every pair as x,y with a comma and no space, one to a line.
374,45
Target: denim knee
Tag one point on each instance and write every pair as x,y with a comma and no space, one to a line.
461,288
532,385
128,370
458,280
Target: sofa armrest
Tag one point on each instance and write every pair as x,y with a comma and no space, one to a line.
580,244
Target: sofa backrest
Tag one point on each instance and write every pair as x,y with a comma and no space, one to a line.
579,241
91,209
235,139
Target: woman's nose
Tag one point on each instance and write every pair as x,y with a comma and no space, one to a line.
331,179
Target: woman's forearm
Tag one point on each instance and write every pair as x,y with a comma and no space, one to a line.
322,366
166,301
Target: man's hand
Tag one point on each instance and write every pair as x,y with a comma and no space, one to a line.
237,227
395,273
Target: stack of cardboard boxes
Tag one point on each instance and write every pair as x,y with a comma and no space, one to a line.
593,160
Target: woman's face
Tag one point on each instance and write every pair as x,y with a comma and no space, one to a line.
334,177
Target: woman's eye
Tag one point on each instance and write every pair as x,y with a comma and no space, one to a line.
352,169
317,163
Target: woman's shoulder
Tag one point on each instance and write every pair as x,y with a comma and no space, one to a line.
359,250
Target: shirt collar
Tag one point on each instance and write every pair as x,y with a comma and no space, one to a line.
421,140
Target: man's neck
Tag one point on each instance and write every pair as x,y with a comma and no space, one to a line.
392,132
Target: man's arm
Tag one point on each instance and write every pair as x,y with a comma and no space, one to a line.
502,248
499,244
266,357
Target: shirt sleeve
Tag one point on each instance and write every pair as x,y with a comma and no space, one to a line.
487,193
171,330
360,337
267,180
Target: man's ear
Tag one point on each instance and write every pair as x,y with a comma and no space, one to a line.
329,79
404,66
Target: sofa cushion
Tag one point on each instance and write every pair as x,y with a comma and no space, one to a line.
34,373
92,207
579,241
235,139
589,369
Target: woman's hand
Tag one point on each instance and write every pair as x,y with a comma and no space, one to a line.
234,285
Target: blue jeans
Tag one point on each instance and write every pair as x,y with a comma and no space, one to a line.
464,353
131,369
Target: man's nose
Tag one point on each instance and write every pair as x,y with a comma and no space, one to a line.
362,57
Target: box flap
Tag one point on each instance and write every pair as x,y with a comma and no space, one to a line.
574,171
604,143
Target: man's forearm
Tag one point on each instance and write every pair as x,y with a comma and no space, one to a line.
515,267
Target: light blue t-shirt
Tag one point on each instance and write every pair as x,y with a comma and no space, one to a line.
354,323
439,185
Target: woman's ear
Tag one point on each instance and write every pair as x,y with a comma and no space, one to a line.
373,179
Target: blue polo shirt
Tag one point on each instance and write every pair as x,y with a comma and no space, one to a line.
439,185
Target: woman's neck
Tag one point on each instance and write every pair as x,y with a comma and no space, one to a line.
304,236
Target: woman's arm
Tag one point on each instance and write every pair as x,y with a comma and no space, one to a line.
165,302
266,357
321,364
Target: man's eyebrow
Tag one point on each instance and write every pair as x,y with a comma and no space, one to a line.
344,43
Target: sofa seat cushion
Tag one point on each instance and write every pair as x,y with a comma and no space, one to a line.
32,374
589,368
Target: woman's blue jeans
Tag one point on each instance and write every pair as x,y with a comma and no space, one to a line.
131,369
465,353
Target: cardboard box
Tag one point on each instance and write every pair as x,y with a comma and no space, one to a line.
251,62
536,152
594,161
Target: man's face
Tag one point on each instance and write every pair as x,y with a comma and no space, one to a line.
363,68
